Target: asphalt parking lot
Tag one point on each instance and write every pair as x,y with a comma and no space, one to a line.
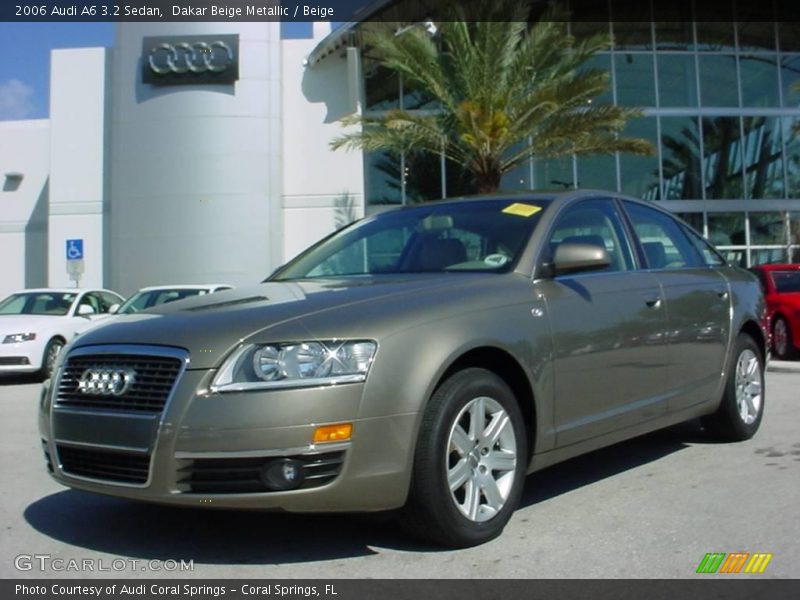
651,508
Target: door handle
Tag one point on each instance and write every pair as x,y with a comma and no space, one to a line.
723,294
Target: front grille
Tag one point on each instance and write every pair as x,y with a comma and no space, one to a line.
243,475
14,361
154,378
116,466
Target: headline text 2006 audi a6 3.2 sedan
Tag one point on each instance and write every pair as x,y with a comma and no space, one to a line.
424,358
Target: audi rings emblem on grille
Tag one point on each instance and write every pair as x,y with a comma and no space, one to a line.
106,382
197,57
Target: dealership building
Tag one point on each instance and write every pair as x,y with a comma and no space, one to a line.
199,152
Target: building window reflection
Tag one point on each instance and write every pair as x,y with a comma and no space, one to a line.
720,103
727,229
718,84
790,75
791,134
680,151
722,158
554,173
382,174
763,157
597,172
677,80
639,175
767,229
759,77
794,236
673,25
715,36
696,220
635,79
381,87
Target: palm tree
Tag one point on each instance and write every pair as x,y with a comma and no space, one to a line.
504,92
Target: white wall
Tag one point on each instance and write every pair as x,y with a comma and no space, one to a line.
179,184
322,189
195,169
24,148
78,94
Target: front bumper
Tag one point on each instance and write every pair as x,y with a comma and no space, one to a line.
208,449
25,357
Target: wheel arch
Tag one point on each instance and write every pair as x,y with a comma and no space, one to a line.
753,329
509,369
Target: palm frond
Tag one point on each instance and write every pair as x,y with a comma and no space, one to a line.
505,90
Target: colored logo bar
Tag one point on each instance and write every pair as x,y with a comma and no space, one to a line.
735,562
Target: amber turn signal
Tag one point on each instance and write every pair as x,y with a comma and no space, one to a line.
333,433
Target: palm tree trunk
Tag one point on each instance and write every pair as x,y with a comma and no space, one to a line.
488,181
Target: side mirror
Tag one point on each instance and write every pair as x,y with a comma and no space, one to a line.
113,309
572,258
84,310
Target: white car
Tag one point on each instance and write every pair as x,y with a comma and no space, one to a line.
36,324
161,294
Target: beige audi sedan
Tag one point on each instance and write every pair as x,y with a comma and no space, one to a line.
424,359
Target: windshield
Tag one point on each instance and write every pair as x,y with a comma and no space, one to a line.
142,300
37,303
786,282
476,235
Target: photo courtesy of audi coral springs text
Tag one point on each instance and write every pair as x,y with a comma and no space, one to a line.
423,359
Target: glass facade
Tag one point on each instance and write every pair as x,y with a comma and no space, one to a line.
721,104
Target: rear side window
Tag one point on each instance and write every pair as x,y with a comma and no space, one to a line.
711,257
664,243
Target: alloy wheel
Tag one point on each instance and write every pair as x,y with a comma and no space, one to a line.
53,350
748,386
481,459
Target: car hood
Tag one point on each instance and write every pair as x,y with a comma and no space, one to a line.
209,326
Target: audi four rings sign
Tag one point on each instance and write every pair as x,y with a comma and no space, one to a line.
190,59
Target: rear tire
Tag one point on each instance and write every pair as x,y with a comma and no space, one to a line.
782,342
742,407
470,462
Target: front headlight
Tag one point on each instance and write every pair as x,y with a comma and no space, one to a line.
295,364
16,338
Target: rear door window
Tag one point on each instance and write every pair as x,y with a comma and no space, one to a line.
664,244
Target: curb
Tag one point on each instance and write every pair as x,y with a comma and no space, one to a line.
783,366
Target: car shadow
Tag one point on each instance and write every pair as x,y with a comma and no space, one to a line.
218,537
598,465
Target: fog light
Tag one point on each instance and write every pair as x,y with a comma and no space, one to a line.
284,474
333,433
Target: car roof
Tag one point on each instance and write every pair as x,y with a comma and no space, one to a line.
559,196
63,291
184,286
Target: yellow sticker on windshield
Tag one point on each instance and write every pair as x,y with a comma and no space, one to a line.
521,210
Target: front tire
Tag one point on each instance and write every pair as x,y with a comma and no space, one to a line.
742,408
470,461
51,352
782,339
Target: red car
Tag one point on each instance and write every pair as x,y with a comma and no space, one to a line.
782,290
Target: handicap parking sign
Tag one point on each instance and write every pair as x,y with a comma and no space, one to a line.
75,249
